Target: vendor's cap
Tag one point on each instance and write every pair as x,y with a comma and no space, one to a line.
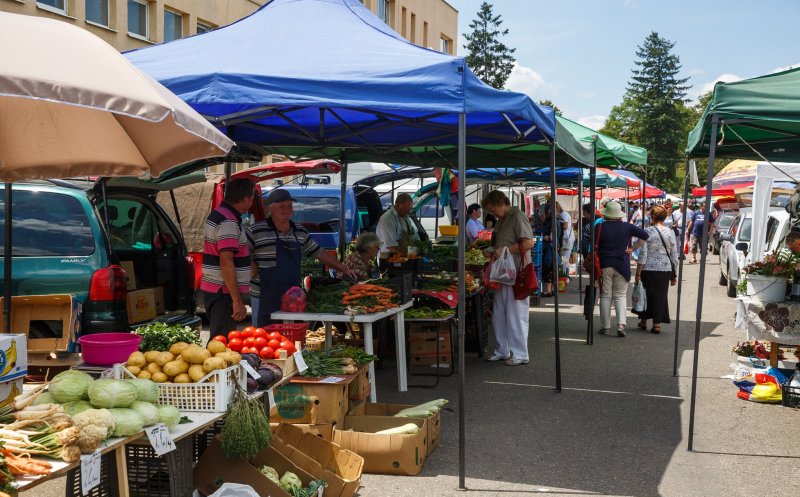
612,210
279,195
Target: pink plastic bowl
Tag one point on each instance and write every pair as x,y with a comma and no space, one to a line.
107,349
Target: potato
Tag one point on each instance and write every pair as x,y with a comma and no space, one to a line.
227,357
159,378
213,364
163,358
178,347
134,370
195,354
151,356
137,359
144,375
183,378
182,364
196,372
172,369
153,368
216,347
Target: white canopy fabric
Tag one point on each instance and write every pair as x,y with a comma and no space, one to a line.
766,175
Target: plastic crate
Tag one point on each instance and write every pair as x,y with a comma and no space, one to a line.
791,396
212,393
169,475
295,332
109,485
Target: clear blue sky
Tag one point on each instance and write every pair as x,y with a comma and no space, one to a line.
579,53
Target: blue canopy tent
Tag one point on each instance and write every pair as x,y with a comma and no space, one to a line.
326,78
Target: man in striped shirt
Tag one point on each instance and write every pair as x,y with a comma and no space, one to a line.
226,259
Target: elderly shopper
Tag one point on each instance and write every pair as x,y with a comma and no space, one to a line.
658,259
509,316
614,237
396,231
362,260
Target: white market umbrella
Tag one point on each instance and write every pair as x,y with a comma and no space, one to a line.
71,105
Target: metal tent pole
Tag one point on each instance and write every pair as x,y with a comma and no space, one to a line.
712,150
343,211
592,230
554,243
227,178
8,261
681,258
641,197
462,232
579,237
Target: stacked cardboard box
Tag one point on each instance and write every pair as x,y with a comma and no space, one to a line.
51,324
13,366
397,454
144,304
431,344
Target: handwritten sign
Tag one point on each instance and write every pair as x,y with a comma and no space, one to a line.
160,439
271,397
252,372
300,362
90,471
332,379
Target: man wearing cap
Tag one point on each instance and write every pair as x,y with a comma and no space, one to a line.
278,246
395,229
226,259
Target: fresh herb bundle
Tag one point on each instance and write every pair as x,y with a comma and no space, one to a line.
161,336
246,430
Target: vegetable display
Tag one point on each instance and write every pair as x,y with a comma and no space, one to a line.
364,298
356,354
321,363
161,336
69,386
183,363
246,430
443,253
475,257
425,410
427,313
252,340
327,298
291,483
106,393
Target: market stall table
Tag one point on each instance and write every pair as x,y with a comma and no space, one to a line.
775,322
366,320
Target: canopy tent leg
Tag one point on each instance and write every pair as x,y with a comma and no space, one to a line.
554,242
580,241
592,288
436,221
228,168
462,237
712,150
8,261
642,197
681,258
343,210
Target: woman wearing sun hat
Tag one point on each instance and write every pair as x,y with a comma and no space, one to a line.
613,248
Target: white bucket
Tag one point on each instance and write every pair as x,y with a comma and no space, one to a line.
766,288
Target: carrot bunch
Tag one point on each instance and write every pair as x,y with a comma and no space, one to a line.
22,465
367,298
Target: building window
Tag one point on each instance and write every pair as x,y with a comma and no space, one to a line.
57,5
173,26
403,24
445,44
203,28
425,35
385,11
137,18
97,11
413,37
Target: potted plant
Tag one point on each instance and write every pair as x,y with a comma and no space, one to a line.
766,280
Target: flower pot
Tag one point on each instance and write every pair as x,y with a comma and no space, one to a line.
766,288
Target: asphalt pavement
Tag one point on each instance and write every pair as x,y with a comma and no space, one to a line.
618,427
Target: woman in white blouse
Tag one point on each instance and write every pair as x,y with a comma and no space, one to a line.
658,262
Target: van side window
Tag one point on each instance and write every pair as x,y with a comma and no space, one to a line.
772,228
134,225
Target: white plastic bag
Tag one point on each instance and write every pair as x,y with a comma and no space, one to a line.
639,298
503,270
235,490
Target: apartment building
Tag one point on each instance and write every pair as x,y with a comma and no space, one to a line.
427,23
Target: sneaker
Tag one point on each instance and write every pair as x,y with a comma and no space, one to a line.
517,362
603,331
621,332
497,357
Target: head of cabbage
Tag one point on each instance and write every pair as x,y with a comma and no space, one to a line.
69,386
146,390
169,415
127,422
107,393
77,407
147,410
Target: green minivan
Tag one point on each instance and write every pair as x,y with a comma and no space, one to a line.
62,244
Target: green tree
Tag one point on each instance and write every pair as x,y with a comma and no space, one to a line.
549,103
489,58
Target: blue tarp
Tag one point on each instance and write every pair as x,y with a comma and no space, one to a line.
327,76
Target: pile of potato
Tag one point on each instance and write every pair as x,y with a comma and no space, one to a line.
183,363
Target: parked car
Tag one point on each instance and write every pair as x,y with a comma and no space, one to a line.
720,227
735,247
62,245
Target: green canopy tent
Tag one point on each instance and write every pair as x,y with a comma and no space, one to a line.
756,118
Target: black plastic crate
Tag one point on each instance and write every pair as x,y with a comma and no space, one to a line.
791,396
169,475
409,266
401,284
201,441
108,487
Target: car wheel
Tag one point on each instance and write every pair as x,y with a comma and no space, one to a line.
732,288
723,281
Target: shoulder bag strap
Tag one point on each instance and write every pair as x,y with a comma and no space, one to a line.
597,237
666,249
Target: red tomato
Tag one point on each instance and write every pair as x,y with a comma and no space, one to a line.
247,332
235,344
234,334
249,350
267,353
249,341
274,343
259,342
259,333
277,355
221,338
288,347
283,339
274,335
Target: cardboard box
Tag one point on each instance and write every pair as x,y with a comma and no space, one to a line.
324,460
141,305
50,322
9,390
359,388
287,365
158,295
13,358
323,431
384,454
444,361
357,408
382,409
213,469
332,398
424,343
130,274
293,407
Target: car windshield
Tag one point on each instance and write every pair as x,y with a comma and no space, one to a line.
744,231
317,214
725,220
46,224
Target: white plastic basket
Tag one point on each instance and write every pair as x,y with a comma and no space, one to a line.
212,393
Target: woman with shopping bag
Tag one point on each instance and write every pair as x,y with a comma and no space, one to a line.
512,236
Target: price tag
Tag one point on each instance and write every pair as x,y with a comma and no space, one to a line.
90,471
271,398
300,362
252,372
320,490
160,439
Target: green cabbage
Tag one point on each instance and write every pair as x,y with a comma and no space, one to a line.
44,398
126,422
146,390
106,393
77,407
169,415
290,480
147,410
70,385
